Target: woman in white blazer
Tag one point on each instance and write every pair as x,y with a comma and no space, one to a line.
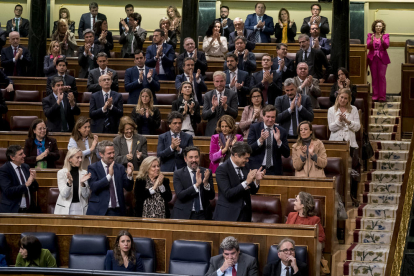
73,185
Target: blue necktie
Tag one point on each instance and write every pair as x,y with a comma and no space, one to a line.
258,40
196,199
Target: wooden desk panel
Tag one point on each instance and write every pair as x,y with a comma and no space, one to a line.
407,97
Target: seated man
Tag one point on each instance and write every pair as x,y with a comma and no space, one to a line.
195,78
270,82
194,188
106,108
317,41
247,60
260,23
17,183
18,23
129,9
140,77
287,262
226,22
315,18
60,108
160,56
293,108
232,261
15,59
192,52
241,31
133,37
237,80
88,20
87,54
307,85
93,78
69,82
172,143
281,64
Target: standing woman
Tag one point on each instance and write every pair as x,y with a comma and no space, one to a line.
215,45
66,39
285,29
152,190
49,62
103,36
41,151
377,43
253,112
145,114
186,105
73,186
170,36
64,14
175,17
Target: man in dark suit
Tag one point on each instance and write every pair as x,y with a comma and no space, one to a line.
241,31
247,60
140,77
18,24
235,183
172,143
194,188
6,81
232,261
315,59
192,52
226,22
270,82
260,23
237,80
218,102
88,20
129,9
319,42
307,85
269,142
195,78
15,59
315,18
69,82
293,108
87,54
17,183
106,108
133,37
3,35
160,55
60,108
281,64
93,78
287,262
108,181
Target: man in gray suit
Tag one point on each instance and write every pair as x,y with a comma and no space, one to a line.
306,84
232,261
93,78
218,102
293,108
133,37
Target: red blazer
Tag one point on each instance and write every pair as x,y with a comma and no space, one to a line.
294,216
381,51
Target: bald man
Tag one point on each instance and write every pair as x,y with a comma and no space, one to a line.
15,59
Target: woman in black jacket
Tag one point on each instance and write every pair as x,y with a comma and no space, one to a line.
285,29
186,105
342,81
103,36
145,114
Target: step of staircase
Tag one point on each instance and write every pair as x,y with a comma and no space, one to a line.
387,105
383,128
386,176
380,198
377,211
357,268
394,155
393,98
372,237
367,253
394,145
378,136
386,112
388,165
391,120
389,188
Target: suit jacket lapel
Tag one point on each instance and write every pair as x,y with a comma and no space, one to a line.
124,144
241,266
134,144
233,173
187,174
16,178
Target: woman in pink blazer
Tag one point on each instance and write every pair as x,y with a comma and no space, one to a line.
378,59
221,143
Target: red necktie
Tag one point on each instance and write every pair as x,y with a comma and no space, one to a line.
233,271
15,63
93,22
26,193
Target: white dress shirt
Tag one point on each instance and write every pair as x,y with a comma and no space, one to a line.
265,143
108,176
197,189
227,272
341,131
297,109
161,69
139,71
109,95
283,271
278,68
244,183
17,49
23,201
232,75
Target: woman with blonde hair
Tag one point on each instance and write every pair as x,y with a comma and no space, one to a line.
145,114
152,190
64,14
129,145
53,54
66,39
175,17
221,143
170,35
308,153
73,185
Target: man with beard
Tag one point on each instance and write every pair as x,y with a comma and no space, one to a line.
237,80
247,60
226,22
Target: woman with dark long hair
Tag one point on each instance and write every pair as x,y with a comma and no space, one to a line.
285,29
215,45
253,112
103,36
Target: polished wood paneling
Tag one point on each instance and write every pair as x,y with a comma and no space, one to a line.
407,96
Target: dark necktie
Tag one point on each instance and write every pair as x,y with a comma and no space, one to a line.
294,121
197,198
107,122
306,55
111,190
64,81
93,22
234,271
175,135
106,97
157,65
102,72
63,118
191,54
241,60
17,24
239,173
219,108
15,64
287,271
26,193
269,149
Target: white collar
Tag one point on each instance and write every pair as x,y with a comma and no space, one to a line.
141,68
235,71
14,165
172,134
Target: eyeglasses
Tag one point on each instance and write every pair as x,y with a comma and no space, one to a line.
292,250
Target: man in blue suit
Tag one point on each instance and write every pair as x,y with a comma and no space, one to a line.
17,183
108,181
89,19
317,41
106,108
247,60
237,80
269,142
260,23
171,144
160,56
140,77
195,79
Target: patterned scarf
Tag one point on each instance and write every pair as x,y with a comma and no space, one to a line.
222,143
154,206
40,150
